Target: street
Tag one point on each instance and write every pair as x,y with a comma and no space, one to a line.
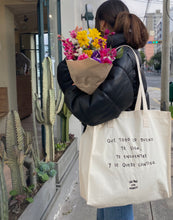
154,80
154,86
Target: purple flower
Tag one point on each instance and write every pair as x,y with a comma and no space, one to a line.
96,59
95,54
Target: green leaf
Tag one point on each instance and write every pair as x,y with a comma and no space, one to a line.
37,170
43,176
51,165
120,53
60,146
30,199
52,173
43,166
31,187
13,193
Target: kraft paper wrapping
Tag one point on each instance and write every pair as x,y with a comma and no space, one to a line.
88,74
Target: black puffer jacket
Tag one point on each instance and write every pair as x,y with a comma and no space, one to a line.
117,93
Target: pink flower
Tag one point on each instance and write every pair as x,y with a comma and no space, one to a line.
107,31
104,52
73,51
113,53
82,56
112,33
73,34
106,60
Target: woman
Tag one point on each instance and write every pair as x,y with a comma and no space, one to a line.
119,90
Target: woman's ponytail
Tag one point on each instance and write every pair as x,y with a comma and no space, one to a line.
132,27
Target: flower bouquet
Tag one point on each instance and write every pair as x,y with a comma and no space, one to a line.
88,58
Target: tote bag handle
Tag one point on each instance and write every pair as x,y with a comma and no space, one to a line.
141,93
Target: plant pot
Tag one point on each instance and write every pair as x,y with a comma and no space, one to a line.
41,201
62,166
66,186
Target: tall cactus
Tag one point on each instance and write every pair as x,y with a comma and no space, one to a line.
50,107
3,190
15,151
65,115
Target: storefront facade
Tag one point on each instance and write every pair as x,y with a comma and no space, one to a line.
29,28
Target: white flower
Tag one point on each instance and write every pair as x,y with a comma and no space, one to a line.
74,41
80,51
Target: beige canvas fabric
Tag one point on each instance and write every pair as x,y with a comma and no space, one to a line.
127,160
88,74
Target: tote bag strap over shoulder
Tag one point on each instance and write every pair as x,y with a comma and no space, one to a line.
141,93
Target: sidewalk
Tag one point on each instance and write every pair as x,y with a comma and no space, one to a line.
75,208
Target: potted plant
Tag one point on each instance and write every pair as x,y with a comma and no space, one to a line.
41,201
46,116
67,153
28,194
50,107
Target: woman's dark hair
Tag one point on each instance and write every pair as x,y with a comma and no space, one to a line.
132,27
108,12
116,14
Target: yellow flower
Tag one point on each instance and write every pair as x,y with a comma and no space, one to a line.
103,41
94,33
95,43
98,42
88,52
82,38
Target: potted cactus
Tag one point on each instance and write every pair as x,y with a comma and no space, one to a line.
46,116
50,107
15,151
19,152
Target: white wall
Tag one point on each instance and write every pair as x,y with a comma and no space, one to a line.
7,55
7,58
71,11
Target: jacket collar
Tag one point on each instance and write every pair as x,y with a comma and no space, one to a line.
116,40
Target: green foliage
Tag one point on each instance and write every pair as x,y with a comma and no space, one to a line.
120,53
26,196
44,167
51,165
28,190
60,146
156,61
30,199
43,177
52,173
45,170
171,110
65,116
143,58
13,193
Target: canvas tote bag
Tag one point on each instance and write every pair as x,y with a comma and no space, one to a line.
128,159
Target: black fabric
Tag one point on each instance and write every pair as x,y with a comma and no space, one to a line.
117,93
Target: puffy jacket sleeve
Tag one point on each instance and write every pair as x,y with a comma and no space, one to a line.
112,97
